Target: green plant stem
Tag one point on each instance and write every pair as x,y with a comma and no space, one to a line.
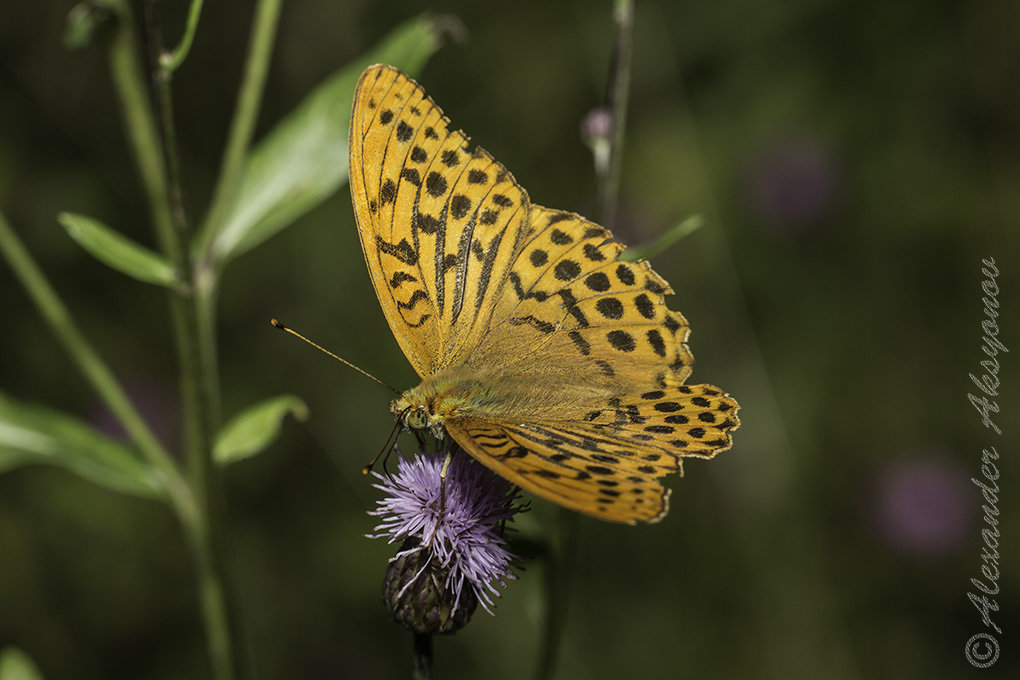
141,127
617,94
242,126
93,367
171,61
422,656
153,147
558,577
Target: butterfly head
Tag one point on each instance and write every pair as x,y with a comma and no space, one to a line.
416,418
415,415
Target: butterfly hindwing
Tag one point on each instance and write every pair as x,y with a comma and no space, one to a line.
608,465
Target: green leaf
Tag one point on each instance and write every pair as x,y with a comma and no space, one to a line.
253,429
118,251
691,224
87,21
16,665
34,434
303,160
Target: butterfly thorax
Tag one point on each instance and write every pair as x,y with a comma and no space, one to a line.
446,395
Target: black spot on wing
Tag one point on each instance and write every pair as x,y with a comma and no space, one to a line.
543,326
411,175
597,282
400,277
610,308
435,184
388,193
621,340
560,238
581,343
402,251
656,341
415,298
425,223
404,131
566,270
459,206
645,306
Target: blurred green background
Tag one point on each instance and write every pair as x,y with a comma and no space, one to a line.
854,161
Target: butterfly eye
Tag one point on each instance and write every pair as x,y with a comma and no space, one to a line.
417,419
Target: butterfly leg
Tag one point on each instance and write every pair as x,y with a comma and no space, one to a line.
442,493
386,448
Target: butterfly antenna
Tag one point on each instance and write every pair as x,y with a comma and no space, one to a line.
326,351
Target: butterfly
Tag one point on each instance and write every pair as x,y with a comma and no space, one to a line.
540,353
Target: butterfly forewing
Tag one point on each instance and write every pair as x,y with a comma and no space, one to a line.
439,223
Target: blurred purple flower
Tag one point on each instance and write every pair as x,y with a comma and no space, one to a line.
596,125
923,507
793,182
460,538
154,400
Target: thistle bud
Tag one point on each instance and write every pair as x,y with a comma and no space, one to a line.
416,593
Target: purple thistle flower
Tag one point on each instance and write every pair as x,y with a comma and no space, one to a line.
454,545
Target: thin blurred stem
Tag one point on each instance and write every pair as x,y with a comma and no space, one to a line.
141,127
558,577
617,94
422,656
93,367
243,125
561,564
171,61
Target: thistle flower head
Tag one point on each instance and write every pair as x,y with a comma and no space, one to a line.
451,533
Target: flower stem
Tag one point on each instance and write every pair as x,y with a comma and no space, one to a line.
171,61
617,93
558,577
242,126
422,656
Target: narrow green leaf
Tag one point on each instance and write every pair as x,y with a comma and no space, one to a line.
255,428
691,224
16,665
118,251
303,160
34,434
